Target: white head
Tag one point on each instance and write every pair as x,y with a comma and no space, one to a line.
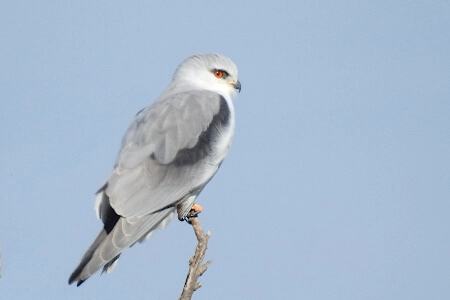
212,72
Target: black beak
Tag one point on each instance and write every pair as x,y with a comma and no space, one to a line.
237,85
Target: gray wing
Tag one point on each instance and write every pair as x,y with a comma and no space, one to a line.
165,160
163,153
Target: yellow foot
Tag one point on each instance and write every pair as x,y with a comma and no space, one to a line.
196,208
193,213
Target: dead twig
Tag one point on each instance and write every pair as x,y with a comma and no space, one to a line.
196,267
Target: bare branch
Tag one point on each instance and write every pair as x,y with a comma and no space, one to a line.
196,266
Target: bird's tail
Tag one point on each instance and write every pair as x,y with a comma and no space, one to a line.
107,247
87,257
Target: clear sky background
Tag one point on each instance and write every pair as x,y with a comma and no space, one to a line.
337,185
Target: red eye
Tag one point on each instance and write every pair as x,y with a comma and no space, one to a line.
218,73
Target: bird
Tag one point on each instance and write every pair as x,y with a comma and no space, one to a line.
169,153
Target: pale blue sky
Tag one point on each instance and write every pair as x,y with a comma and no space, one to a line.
337,185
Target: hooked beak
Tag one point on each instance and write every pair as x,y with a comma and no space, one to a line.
237,85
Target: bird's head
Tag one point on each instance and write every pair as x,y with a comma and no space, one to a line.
211,72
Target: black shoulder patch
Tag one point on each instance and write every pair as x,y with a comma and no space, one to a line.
190,156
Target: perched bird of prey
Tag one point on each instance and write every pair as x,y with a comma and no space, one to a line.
170,152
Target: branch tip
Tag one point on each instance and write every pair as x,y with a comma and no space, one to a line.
196,267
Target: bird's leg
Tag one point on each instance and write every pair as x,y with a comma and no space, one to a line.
192,213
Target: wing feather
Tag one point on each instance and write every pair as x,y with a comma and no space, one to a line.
148,176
